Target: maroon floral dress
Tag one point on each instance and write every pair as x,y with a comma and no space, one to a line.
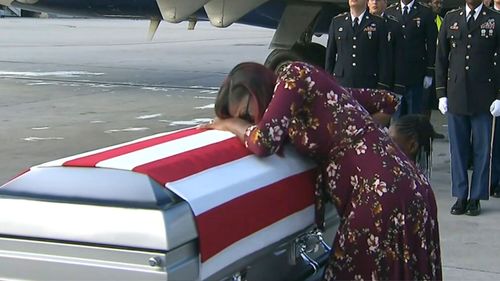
389,227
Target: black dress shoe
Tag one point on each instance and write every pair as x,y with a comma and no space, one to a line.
459,207
496,192
437,135
473,208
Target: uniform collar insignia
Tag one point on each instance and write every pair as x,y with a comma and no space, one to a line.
454,26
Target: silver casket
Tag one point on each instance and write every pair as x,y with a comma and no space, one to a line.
184,205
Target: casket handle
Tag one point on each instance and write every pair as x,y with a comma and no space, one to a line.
308,243
154,262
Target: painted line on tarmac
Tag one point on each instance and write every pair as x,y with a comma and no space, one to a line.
126,84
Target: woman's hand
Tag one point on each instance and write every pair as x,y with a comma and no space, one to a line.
234,125
381,118
216,123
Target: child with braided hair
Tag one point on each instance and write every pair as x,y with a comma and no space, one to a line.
414,135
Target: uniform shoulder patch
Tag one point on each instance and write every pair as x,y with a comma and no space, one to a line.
340,15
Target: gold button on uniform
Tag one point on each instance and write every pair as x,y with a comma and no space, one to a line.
354,46
353,64
466,57
467,68
469,36
354,38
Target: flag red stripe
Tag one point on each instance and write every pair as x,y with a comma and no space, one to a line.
234,220
92,160
188,163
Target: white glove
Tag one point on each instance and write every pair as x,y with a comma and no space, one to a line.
427,81
495,108
443,105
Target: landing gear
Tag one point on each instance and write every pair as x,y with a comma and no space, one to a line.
312,53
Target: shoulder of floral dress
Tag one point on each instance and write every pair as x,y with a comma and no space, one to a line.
296,67
301,64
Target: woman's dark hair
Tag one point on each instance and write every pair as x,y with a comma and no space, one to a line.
247,78
418,128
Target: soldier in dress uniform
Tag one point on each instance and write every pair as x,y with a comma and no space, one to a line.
394,38
357,48
418,52
495,185
468,88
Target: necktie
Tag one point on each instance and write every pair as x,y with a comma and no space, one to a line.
355,26
405,13
470,21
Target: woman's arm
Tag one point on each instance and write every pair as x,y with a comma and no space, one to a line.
381,104
374,100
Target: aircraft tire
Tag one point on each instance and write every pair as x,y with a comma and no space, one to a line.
315,54
312,53
279,57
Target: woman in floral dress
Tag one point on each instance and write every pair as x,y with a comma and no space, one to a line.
388,228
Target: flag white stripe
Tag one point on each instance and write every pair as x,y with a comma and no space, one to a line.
60,162
258,240
205,190
150,154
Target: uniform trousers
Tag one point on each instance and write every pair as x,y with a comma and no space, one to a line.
495,168
460,130
411,102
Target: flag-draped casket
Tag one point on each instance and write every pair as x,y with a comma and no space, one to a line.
184,205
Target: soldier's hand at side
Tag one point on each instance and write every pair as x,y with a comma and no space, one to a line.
427,81
495,108
443,105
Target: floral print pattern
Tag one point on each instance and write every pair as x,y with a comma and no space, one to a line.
389,227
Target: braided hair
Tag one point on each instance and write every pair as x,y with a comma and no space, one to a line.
418,128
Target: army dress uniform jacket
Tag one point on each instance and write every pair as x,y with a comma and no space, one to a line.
358,60
394,37
418,54
467,69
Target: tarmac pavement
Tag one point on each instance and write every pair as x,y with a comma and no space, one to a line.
470,246
72,85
